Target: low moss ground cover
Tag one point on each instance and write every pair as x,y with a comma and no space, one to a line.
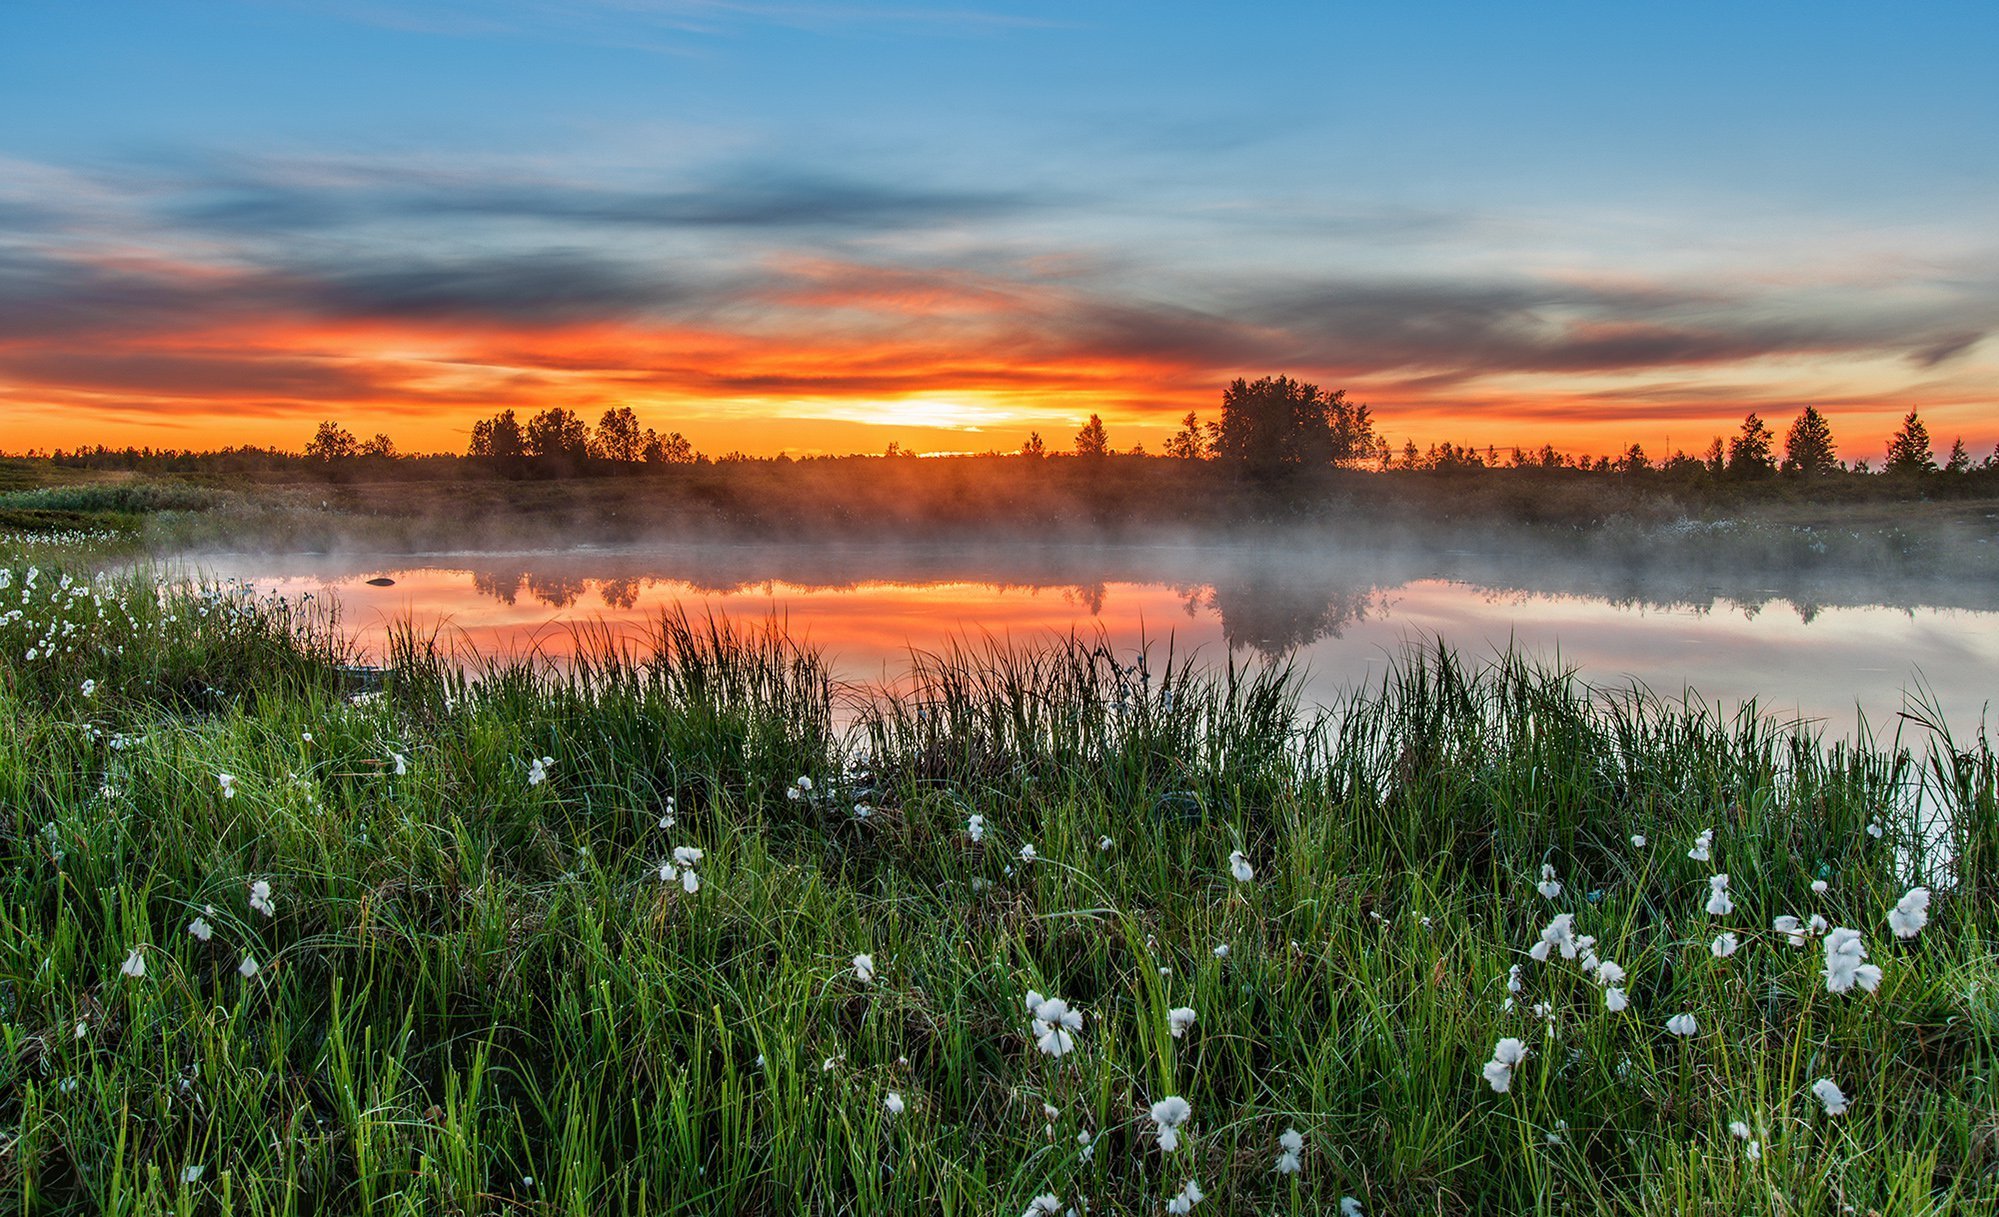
685,928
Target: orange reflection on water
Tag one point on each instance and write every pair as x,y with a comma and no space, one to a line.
1812,660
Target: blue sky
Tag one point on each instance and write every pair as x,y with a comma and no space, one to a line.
815,226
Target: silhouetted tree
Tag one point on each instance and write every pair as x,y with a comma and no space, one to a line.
1033,445
1093,440
1808,449
1277,425
499,436
618,437
671,449
381,445
1751,452
557,434
331,442
1909,452
1634,460
1960,460
1188,443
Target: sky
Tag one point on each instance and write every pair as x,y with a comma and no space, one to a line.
822,227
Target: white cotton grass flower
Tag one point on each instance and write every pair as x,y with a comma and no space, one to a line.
1845,968
228,783
1608,973
1178,1019
193,1173
864,969
1027,853
1349,1207
1682,1025
1549,886
249,967
1739,1129
1055,1024
260,898
1168,1116
1560,933
1293,1144
975,827
1703,850
89,688
1911,913
538,769
1190,1195
1875,830
1791,928
400,762
1829,1094
1222,950
1240,868
1718,902
893,1102
200,930
1614,1000
1819,887
1048,1204
1104,845
1638,840
1724,945
1506,1057
800,787
135,963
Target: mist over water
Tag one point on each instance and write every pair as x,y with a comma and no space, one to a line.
1820,647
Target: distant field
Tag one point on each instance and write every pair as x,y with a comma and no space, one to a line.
1048,930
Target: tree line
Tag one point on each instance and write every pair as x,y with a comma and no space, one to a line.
1269,430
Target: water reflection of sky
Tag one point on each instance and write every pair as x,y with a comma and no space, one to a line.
1814,653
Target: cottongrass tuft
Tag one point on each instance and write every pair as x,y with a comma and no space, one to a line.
135,963
1054,1024
1703,850
249,967
975,827
1682,1025
893,1102
1844,966
1718,902
260,898
1506,1057
1911,913
1829,1094
1178,1019
228,783
200,930
1168,1115
1190,1195
864,969
1293,1144
1724,944
1549,886
1240,868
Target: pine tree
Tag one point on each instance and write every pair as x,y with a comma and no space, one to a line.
1909,452
1093,440
1808,449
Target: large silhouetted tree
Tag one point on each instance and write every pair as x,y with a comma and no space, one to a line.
499,436
1188,443
1093,440
1277,425
618,435
331,442
1808,449
558,434
1750,453
1909,452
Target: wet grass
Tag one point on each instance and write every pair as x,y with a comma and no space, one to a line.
476,994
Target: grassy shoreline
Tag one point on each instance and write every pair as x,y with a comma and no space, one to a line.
476,991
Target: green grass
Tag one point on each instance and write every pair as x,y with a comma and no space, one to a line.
476,994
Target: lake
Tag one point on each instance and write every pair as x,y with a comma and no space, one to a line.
1820,646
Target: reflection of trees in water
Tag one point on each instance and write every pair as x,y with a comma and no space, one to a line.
554,590
619,593
1089,595
1275,612
502,585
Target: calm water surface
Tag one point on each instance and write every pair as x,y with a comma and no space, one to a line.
1825,649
